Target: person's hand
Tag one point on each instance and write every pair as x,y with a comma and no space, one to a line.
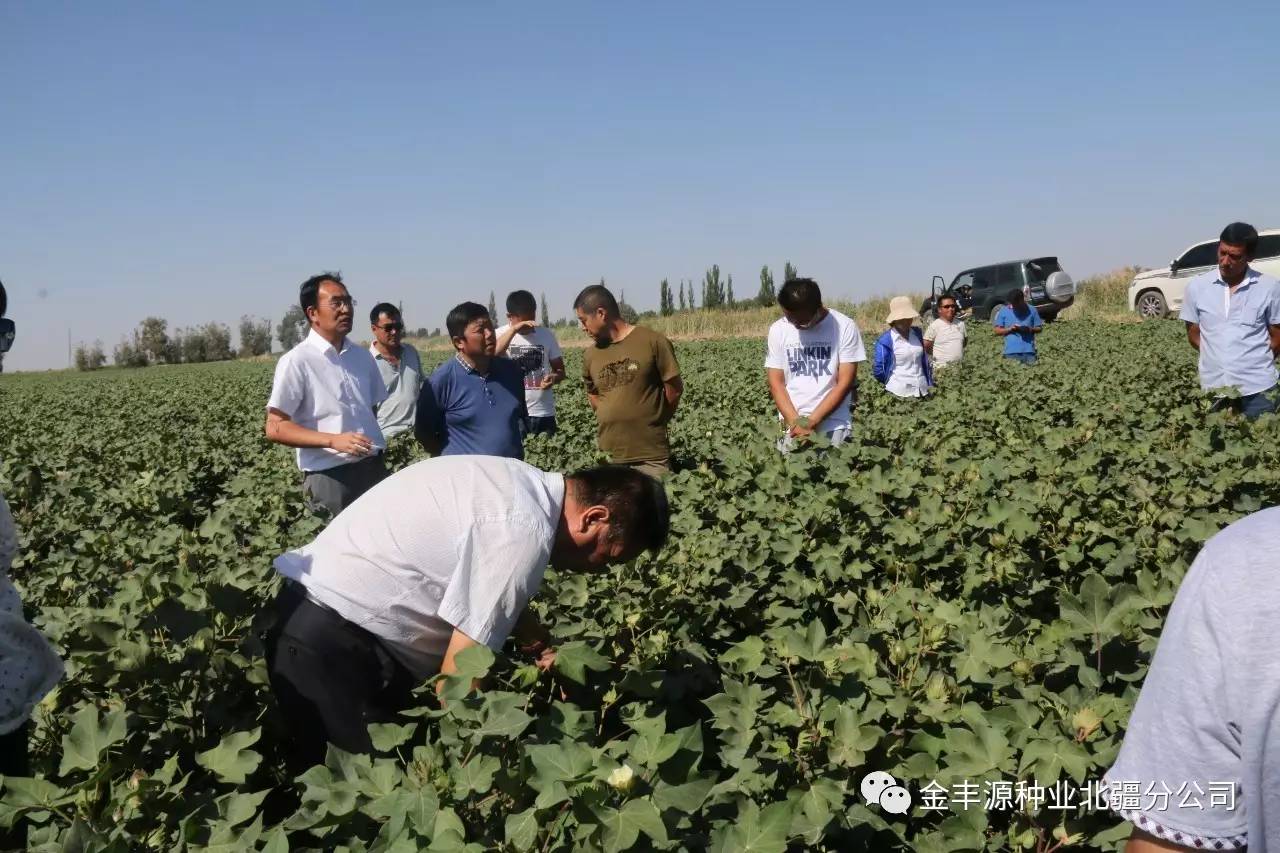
547,381
799,430
351,443
523,326
546,659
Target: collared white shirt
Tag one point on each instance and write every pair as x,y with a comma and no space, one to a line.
1235,339
907,379
452,542
403,381
323,389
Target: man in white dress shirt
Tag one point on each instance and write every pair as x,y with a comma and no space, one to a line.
440,556
324,401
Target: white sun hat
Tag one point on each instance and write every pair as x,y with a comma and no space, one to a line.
900,309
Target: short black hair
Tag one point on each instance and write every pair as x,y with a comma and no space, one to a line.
383,308
1241,234
798,293
637,503
309,293
1015,295
944,297
521,303
462,316
595,297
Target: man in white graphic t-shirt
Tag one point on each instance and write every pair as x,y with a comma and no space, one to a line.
535,349
812,365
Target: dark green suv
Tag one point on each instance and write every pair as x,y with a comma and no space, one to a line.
984,289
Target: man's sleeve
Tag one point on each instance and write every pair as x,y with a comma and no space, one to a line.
500,567
1001,318
851,347
931,333
1190,310
377,385
665,356
1273,304
1036,320
287,388
773,355
1182,735
587,381
430,415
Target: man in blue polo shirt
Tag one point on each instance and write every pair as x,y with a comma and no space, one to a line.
473,404
1233,320
1018,323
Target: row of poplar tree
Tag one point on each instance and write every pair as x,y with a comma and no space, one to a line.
717,292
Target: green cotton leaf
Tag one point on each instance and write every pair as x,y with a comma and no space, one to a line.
974,754
476,776
756,830
388,736
236,808
232,760
575,658
686,798
745,657
980,658
1048,759
1099,609
90,737
474,661
502,717
561,762
277,842
522,829
621,828
850,741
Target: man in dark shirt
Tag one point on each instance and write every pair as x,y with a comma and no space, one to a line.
633,383
473,404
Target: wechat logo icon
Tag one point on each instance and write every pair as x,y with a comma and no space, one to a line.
881,789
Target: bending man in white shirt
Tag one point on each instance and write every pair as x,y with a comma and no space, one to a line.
812,365
442,555
324,401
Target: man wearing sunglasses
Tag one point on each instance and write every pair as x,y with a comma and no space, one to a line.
945,338
324,402
401,370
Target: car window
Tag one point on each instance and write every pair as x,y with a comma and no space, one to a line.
1204,255
965,279
1268,246
1008,277
1039,270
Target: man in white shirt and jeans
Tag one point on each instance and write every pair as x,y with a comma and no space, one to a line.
945,338
440,556
812,365
324,401
535,349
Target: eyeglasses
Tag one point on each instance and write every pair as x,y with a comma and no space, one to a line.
392,327
345,302
945,307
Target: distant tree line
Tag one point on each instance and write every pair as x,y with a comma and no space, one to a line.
716,292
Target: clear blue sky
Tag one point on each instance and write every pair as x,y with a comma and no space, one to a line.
198,161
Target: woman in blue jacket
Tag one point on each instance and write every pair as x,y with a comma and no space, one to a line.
901,364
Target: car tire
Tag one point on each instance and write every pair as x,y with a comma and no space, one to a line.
1048,316
1151,305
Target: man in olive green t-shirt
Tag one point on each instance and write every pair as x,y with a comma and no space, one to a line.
633,383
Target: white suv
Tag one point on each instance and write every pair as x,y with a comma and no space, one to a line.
1158,293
